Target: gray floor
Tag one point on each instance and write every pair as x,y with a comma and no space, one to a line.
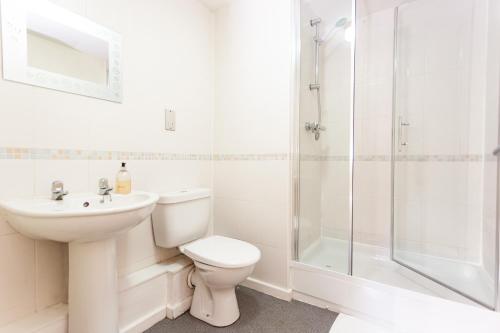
259,314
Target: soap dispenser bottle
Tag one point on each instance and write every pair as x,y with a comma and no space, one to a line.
123,180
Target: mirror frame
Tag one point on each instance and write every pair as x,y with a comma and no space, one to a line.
15,50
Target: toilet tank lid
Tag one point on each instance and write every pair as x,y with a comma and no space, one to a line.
184,195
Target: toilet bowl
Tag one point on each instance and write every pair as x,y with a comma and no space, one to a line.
181,220
220,264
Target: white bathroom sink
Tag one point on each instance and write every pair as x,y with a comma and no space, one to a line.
89,227
79,217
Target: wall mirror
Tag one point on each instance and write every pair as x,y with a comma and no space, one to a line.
48,46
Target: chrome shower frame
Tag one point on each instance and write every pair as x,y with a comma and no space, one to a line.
296,130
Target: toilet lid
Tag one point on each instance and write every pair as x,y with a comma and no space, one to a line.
222,252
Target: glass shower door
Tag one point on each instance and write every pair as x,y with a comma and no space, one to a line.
445,128
323,235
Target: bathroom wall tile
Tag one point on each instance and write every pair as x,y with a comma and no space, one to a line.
51,273
259,181
310,203
272,267
73,173
439,218
252,132
408,227
253,117
447,40
175,175
256,222
372,201
380,56
445,112
18,114
226,224
16,180
253,95
445,182
17,281
335,194
54,129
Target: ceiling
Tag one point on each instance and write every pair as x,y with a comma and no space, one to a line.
215,4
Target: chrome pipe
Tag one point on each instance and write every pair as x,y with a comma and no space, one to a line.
316,127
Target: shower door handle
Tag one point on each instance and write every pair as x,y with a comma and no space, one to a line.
402,133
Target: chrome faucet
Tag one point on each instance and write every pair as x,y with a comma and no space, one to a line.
58,191
105,189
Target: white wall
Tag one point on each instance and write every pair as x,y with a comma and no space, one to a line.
252,129
168,55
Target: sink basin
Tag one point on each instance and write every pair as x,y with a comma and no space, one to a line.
89,227
80,217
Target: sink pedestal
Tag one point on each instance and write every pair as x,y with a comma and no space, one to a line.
93,287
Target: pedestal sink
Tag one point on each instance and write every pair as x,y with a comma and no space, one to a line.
90,227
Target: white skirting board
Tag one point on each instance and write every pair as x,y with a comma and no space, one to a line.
268,289
50,320
146,297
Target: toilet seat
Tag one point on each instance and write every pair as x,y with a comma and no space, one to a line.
222,252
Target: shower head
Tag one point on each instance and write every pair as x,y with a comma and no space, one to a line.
342,23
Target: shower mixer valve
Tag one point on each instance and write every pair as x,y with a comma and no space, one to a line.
315,128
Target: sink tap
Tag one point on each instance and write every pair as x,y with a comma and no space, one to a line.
105,189
58,191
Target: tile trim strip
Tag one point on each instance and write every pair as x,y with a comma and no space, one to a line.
401,158
77,154
12,153
250,157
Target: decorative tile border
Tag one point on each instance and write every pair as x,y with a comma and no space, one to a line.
250,157
70,154
446,158
11,153
400,158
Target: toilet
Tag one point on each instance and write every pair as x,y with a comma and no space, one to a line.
181,220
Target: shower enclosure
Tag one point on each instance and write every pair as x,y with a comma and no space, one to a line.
396,125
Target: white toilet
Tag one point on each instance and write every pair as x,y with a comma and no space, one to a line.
181,219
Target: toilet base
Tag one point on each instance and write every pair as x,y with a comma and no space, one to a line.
214,298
